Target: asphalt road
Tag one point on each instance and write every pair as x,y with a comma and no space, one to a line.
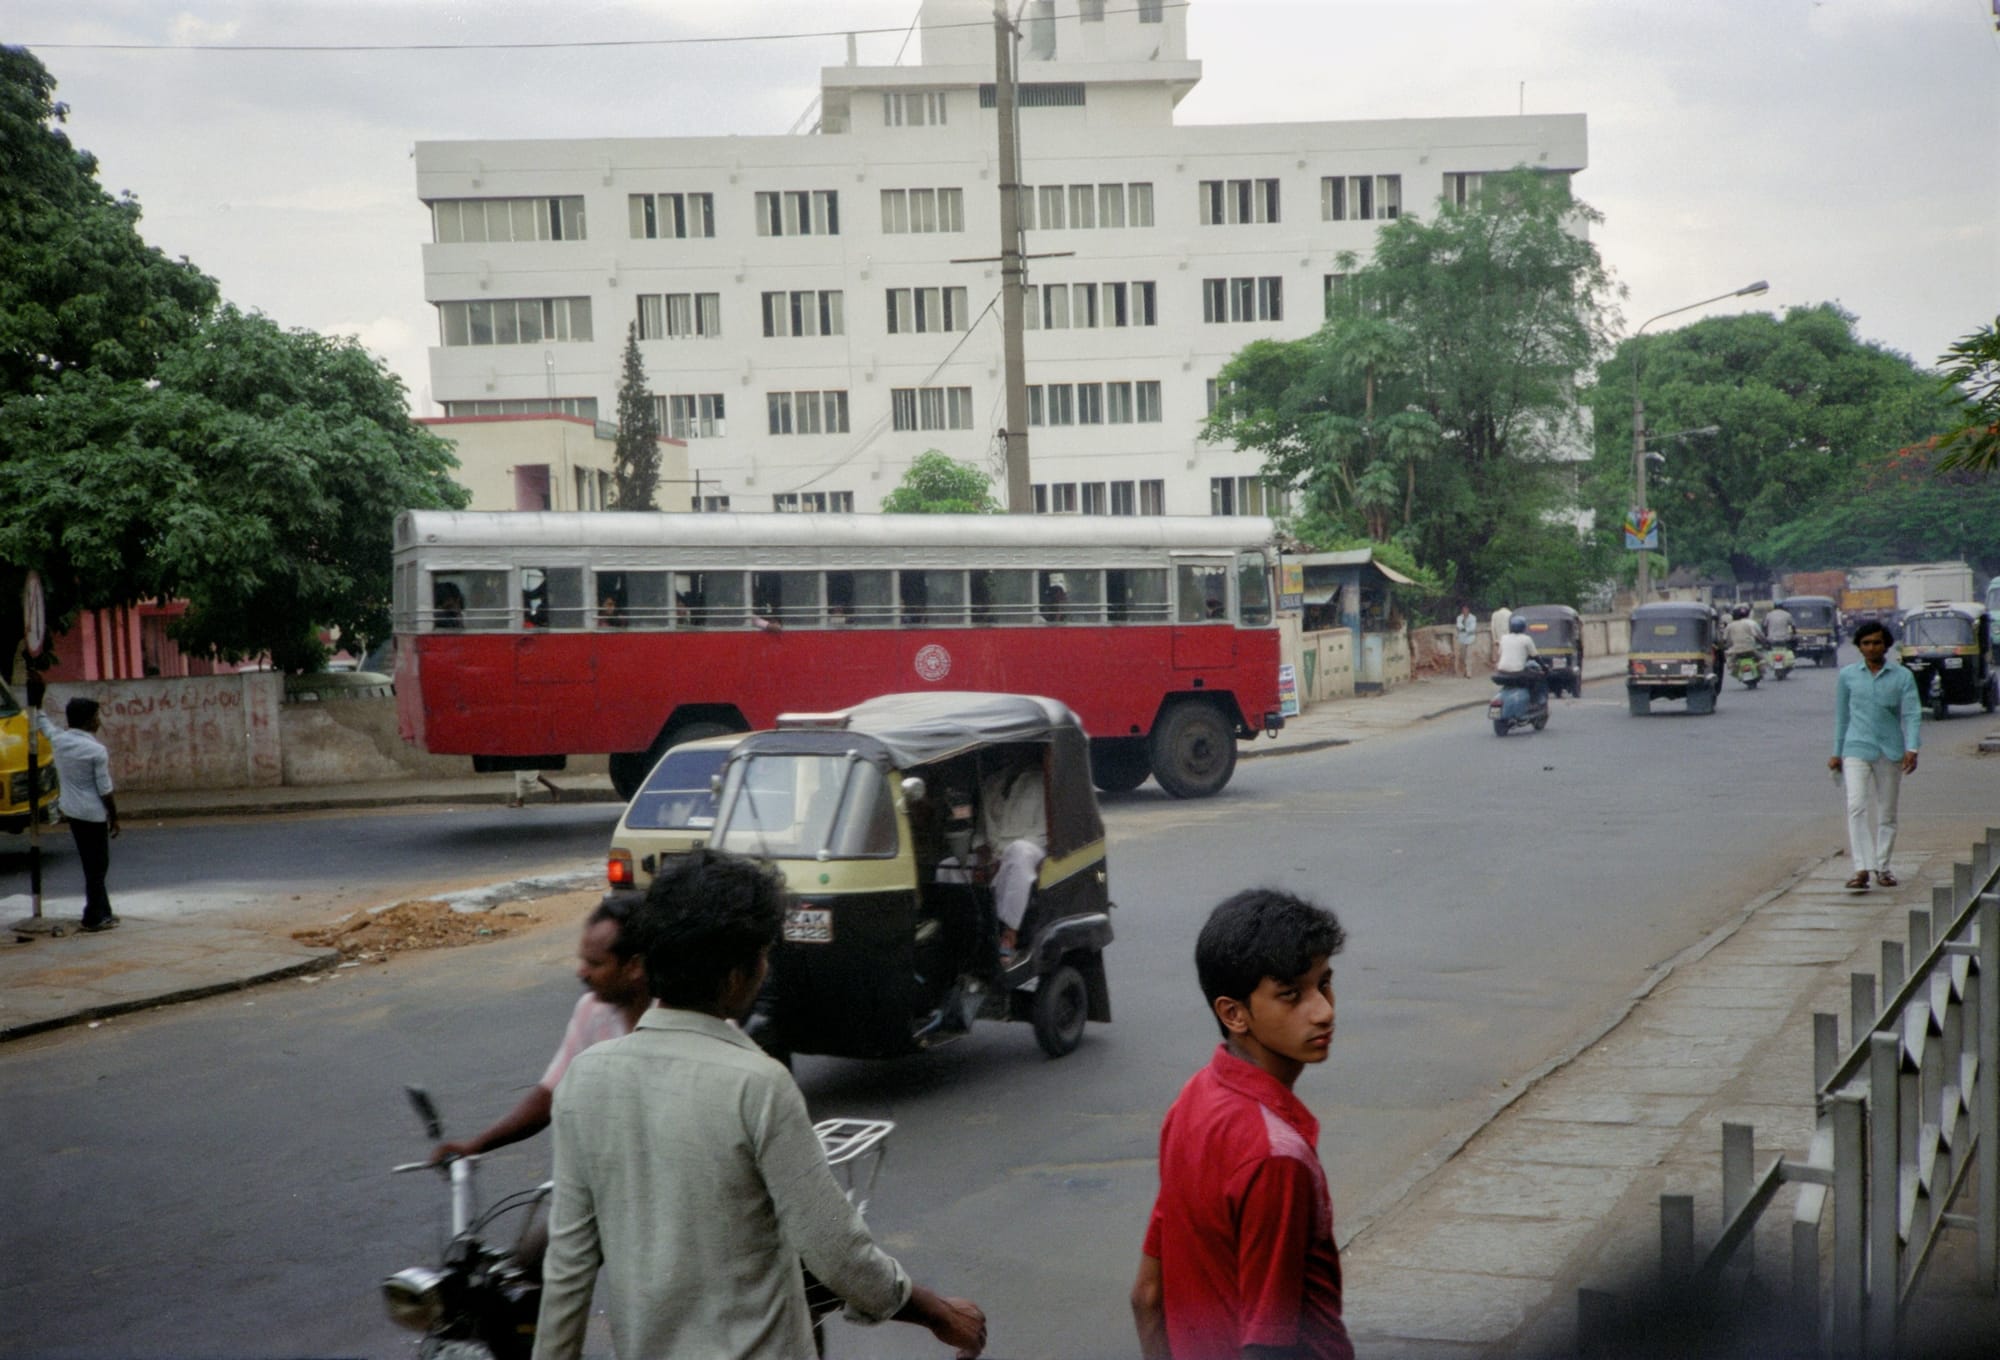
212,1179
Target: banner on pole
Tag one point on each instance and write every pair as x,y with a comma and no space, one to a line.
1642,531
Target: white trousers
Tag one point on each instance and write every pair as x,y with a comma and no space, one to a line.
1014,879
1872,789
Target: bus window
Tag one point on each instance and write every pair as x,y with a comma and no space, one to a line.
861,599
1136,594
1201,591
1072,596
552,597
710,599
644,599
1253,590
790,598
470,599
1005,598
932,599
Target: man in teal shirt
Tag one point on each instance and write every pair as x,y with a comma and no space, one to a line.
1875,719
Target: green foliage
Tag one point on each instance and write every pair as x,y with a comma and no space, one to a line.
1433,408
1972,372
257,478
937,484
635,472
1805,414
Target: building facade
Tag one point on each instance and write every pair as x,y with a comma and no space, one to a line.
816,310
535,461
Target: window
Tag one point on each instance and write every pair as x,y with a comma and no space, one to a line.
1090,11
709,505
1123,501
670,216
1337,286
1038,95
586,407
1461,187
799,212
690,415
807,412
1245,496
1252,299
639,599
678,316
1152,11
1217,390
1120,394
1062,498
1153,497
931,597
1041,30
913,108
1082,206
1090,406
1003,598
515,321
803,313
1360,198
1096,500
552,597
864,599
1110,205
507,219
1139,204
471,599
1054,404
1149,402
931,408
1051,199
1083,304
1201,592
1238,200
811,502
923,310
922,210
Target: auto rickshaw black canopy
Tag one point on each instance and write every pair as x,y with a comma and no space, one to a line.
1570,631
1822,606
1674,612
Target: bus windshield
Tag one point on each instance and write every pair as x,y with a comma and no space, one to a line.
806,807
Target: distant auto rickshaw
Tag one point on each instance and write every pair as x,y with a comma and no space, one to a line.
1815,621
1675,654
1948,648
891,944
1557,632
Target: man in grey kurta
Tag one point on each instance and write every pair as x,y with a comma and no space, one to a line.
687,1167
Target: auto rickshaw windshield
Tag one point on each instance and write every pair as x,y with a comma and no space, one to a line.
789,806
1811,615
1667,635
1937,630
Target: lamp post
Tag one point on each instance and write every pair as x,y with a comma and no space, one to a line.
1639,420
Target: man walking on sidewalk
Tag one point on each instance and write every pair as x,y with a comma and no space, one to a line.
1467,637
83,767
1501,618
1876,716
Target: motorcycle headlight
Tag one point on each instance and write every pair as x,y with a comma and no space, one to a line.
415,1298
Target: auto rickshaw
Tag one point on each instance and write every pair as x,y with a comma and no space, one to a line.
891,944
1676,653
1815,620
17,810
1557,632
1948,649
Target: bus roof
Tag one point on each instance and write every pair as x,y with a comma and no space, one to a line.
536,529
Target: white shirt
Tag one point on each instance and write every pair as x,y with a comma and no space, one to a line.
1468,628
83,766
1515,650
1501,618
1011,808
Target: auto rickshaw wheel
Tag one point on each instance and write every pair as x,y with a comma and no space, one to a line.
1640,702
1989,698
1119,765
1539,723
1940,710
1062,1004
1193,750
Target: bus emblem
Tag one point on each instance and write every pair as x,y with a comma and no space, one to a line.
933,663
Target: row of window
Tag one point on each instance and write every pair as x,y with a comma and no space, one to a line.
585,407
1094,403
816,212
515,321
1148,497
1248,299
1060,306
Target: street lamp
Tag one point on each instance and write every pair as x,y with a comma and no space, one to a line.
1639,420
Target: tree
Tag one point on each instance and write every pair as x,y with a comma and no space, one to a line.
1433,409
1972,371
635,471
937,484
1804,412
257,477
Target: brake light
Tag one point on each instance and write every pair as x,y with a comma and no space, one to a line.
618,869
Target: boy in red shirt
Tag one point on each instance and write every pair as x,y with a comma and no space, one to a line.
1239,1257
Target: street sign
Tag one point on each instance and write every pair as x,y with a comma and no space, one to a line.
1642,531
34,614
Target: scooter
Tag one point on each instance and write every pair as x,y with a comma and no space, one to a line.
1781,659
1523,700
1747,668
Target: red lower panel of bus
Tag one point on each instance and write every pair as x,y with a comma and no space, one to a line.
558,693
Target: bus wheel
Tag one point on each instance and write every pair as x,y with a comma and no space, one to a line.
628,772
1193,751
1062,1004
1119,765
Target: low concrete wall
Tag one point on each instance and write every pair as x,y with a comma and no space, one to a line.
196,732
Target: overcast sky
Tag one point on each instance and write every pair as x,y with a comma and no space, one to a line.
1842,149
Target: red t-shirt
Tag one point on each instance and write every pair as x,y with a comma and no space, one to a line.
1243,1227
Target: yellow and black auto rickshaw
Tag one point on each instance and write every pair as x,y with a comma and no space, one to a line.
881,819
17,809
1557,632
1948,648
1675,654
1815,621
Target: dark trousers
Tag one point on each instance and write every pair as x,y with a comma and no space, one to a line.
93,848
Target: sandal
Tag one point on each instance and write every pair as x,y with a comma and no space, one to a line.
1885,878
1859,883
515,802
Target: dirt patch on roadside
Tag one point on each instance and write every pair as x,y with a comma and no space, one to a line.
373,936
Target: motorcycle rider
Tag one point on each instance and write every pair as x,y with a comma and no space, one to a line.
1742,637
1779,627
1520,660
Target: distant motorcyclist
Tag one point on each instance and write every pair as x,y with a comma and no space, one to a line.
1519,660
1743,637
1779,627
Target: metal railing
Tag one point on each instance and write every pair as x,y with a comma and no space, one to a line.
1904,1115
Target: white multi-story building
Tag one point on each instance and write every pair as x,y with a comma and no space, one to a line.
815,310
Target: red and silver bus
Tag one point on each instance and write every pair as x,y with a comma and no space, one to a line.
523,638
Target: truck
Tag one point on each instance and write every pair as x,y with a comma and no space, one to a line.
1887,593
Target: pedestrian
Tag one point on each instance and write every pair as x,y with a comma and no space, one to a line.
83,767
1466,638
1501,618
524,784
1876,716
687,1167
1239,1254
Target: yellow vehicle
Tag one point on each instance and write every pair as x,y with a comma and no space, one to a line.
14,801
672,812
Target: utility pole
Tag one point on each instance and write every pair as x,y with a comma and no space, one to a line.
1020,492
